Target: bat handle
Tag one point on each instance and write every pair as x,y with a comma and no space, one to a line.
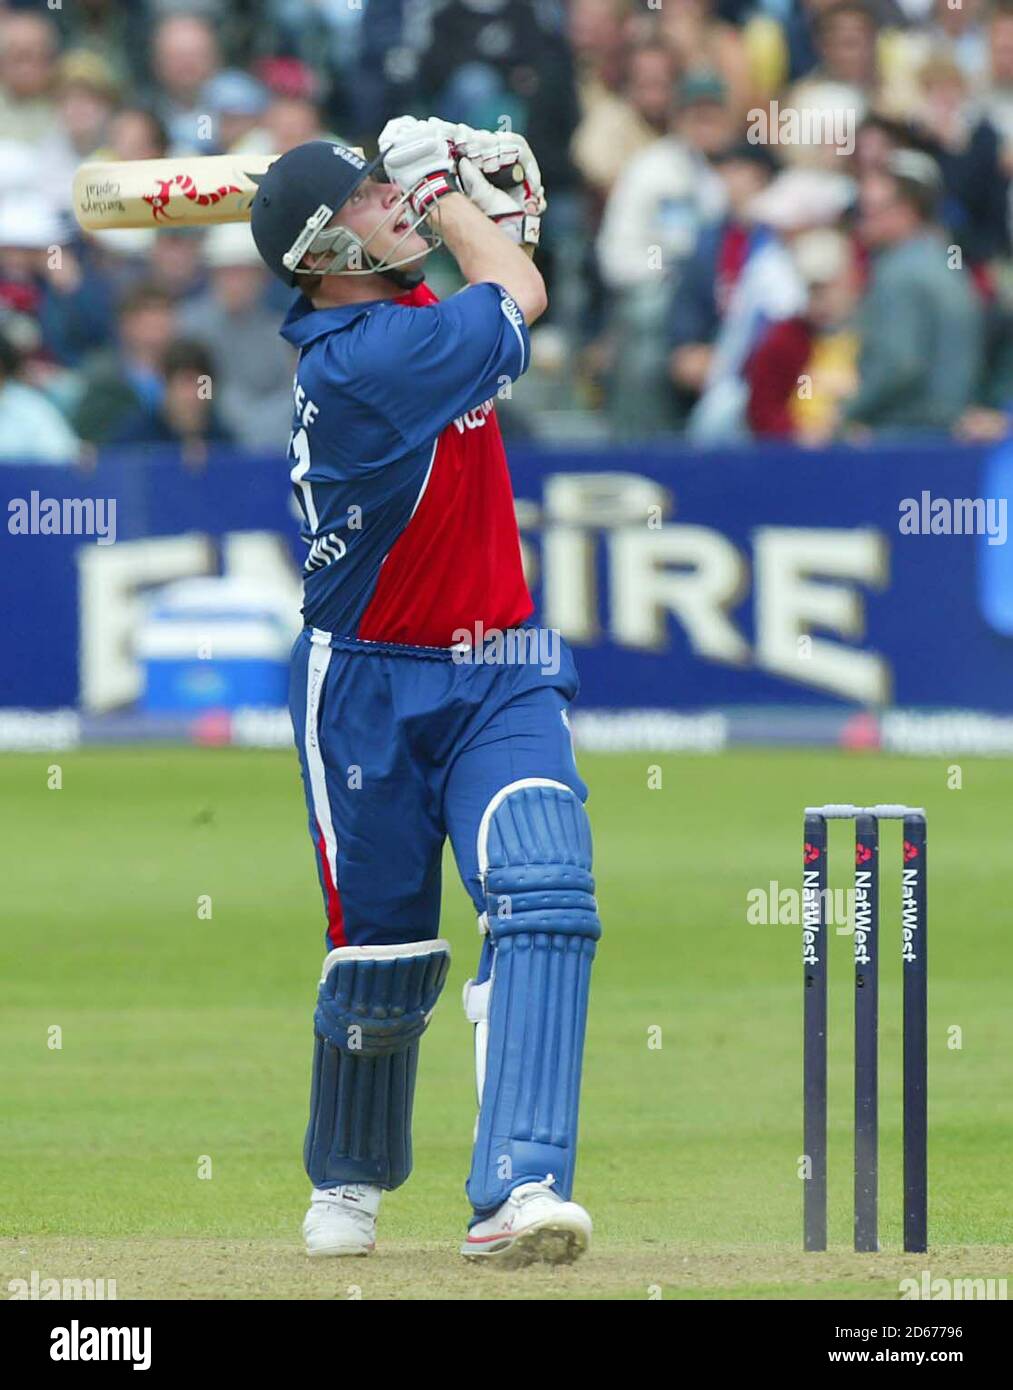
508,178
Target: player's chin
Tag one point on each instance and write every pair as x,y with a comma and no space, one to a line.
414,244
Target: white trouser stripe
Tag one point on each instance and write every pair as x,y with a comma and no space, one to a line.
316,672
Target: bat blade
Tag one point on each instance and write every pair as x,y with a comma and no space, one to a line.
189,191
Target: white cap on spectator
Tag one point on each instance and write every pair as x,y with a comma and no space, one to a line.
229,244
821,255
824,94
801,198
29,222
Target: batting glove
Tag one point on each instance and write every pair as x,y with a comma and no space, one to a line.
452,131
501,207
493,153
419,160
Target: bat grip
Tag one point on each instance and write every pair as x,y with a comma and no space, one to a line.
508,178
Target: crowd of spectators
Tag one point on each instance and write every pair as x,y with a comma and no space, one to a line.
767,218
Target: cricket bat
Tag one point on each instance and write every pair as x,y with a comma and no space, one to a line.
188,191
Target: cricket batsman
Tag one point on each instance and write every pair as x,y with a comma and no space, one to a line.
409,724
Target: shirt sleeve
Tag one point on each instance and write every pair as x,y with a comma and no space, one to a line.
423,367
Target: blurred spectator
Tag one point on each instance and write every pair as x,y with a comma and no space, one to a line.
236,103
185,58
253,383
28,226
76,306
328,34
800,199
962,32
176,263
835,96
650,227
997,98
798,37
291,121
957,33
186,414
607,133
705,286
293,113
387,65
650,86
801,30
126,382
702,42
28,50
879,136
31,427
804,367
920,322
88,94
116,30
757,285
493,63
136,132
764,38
43,278
976,204
667,191
617,125
595,29
946,125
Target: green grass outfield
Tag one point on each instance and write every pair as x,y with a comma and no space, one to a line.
186,1039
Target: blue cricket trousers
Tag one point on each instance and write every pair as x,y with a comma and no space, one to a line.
403,746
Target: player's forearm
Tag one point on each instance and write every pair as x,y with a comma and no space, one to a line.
485,253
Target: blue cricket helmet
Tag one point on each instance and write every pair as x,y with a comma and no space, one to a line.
298,196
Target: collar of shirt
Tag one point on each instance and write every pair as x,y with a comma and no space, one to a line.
303,324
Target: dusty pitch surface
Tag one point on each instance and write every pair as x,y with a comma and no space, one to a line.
255,1269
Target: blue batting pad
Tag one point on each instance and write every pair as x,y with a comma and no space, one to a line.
373,1006
535,859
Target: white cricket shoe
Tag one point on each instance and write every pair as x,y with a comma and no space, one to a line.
533,1224
342,1220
